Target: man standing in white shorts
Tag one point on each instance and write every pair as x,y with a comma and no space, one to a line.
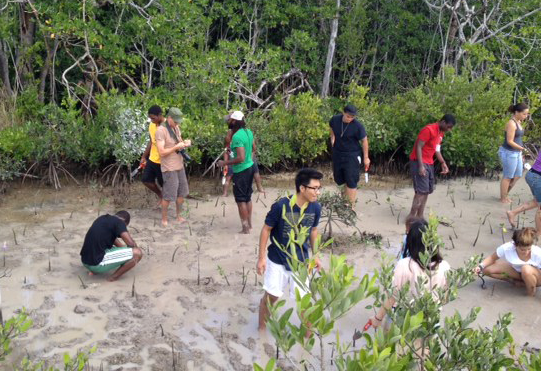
275,265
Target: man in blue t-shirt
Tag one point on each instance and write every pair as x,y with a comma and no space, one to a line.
347,134
275,264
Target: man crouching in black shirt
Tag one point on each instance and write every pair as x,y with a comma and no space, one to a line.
104,251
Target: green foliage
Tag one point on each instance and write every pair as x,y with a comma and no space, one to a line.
18,325
13,328
416,337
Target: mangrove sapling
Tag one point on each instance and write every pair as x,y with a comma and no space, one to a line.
56,238
196,204
24,230
264,204
390,205
4,248
174,252
49,257
163,332
244,279
14,236
189,227
375,194
461,213
224,276
485,218
452,196
133,288
217,199
490,225
83,284
477,237
71,214
212,220
398,217
223,209
452,242
63,224
173,355
198,262
503,230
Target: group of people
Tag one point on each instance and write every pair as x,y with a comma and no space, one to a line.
108,245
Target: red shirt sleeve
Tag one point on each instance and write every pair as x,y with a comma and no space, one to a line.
425,134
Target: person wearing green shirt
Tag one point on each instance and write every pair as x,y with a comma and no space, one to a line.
242,146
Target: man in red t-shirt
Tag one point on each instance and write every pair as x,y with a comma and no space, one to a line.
422,162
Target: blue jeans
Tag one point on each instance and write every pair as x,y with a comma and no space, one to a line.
511,163
534,181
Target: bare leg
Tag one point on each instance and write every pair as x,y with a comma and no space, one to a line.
538,221
504,191
512,183
165,206
244,217
226,186
180,201
258,183
532,278
502,270
137,256
154,188
264,310
249,206
351,194
417,207
512,214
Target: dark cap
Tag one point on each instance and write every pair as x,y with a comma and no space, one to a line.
350,109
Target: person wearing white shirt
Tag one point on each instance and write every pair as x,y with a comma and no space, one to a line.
518,261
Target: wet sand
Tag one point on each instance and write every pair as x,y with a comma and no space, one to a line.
158,314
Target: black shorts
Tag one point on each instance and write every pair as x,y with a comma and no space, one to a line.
152,172
242,185
346,169
423,185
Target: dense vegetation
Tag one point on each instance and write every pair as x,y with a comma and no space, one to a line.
76,77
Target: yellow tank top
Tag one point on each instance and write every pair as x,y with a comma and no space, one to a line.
154,155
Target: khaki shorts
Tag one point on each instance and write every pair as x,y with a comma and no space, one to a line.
175,184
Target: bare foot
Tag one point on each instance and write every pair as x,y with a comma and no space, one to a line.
511,218
164,223
506,200
245,231
180,219
224,194
112,279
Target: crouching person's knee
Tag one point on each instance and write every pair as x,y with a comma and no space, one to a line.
137,253
528,270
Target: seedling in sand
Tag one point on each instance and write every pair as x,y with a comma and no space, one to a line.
56,238
198,263
452,242
174,252
14,236
477,237
63,224
244,279
217,199
503,230
4,248
133,288
485,218
83,284
222,273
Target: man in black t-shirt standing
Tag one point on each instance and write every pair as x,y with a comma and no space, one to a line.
346,133
102,249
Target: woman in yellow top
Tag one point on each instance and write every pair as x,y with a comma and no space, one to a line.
151,158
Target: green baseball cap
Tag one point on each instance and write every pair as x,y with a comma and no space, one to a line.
175,114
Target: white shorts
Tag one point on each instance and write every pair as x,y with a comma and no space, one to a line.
277,277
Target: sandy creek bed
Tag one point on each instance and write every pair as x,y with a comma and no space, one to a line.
211,326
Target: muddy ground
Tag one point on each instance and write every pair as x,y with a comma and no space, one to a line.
158,314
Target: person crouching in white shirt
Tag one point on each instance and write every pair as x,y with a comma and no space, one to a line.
518,262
